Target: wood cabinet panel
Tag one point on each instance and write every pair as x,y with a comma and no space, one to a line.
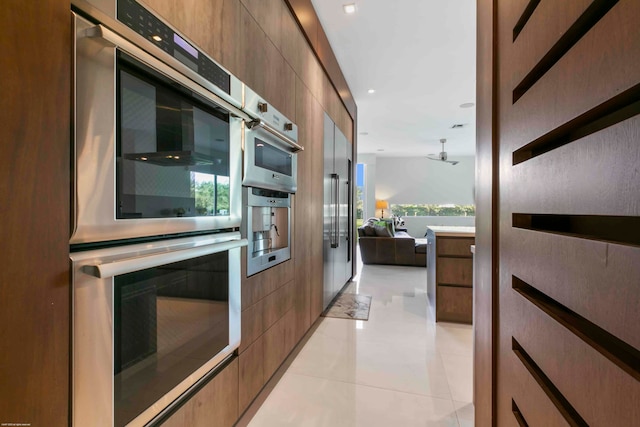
309,204
277,304
258,286
252,324
34,236
263,68
274,348
251,374
293,45
215,405
269,15
454,271
455,246
454,304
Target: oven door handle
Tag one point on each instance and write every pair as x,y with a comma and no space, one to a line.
170,69
258,123
116,268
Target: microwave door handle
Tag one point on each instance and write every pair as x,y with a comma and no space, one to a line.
130,265
262,125
186,77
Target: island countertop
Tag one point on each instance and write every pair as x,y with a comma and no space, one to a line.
452,231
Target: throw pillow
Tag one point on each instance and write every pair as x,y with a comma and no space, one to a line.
369,230
381,229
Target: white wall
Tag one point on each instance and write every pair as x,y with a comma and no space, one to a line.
418,180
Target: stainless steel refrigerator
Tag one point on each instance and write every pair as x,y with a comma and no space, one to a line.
338,218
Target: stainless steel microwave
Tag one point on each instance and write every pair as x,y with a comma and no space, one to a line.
270,146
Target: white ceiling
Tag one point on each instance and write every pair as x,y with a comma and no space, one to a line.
419,56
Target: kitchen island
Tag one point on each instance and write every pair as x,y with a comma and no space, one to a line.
450,273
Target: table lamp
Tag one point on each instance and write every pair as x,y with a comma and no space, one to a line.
382,204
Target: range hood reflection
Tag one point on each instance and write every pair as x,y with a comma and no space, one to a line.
175,158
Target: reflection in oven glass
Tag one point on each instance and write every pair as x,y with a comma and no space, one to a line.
169,321
172,152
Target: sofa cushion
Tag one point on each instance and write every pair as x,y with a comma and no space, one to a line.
402,235
421,246
369,230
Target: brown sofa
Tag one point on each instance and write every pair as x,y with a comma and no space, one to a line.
402,249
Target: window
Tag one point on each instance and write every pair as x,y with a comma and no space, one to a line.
433,210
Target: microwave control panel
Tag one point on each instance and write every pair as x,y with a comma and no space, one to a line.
139,19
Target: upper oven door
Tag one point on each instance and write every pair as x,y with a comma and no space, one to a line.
269,162
155,152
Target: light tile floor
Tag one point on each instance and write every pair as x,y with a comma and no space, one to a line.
399,368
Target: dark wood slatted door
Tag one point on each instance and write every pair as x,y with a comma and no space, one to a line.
568,127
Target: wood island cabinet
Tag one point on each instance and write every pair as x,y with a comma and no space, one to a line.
450,273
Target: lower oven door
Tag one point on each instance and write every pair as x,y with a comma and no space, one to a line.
149,321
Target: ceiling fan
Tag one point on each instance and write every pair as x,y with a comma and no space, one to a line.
442,156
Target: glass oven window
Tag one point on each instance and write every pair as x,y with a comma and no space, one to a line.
269,157
168,322
172,150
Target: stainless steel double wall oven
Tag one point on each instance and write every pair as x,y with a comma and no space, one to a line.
157,193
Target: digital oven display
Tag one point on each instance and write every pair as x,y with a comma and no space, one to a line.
186,47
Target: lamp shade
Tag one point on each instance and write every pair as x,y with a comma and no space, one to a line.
382,204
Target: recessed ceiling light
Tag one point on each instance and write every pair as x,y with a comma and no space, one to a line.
380,149
364,133
371,91
467,105
349,8
157,38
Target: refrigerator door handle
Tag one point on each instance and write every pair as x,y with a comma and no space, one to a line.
335,178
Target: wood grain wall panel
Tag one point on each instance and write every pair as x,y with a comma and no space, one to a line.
484,284
544,28
556,180
216,405
611,400
602,64
293,45
34,235
251,374
307,18
252,324
534,404
567,300
269,15
585,276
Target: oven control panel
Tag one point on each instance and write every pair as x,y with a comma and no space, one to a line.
139,19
